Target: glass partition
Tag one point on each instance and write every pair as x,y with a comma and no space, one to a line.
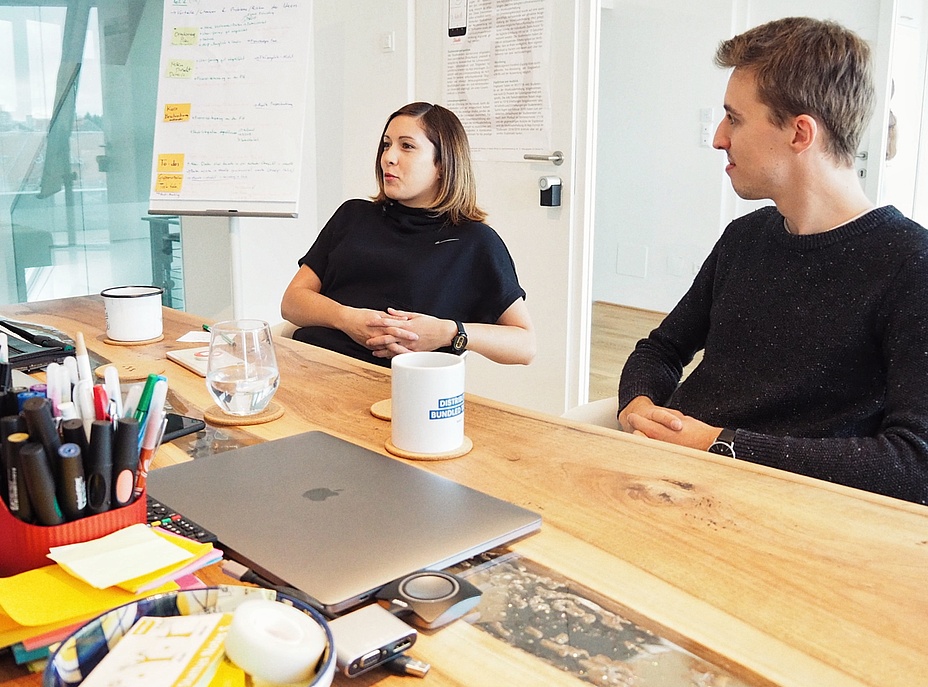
78,87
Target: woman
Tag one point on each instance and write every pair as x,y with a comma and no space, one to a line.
415,269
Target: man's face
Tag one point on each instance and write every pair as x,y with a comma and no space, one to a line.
756,147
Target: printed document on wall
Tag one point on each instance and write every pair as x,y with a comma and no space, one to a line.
498,78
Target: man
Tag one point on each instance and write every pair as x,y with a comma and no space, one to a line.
812,314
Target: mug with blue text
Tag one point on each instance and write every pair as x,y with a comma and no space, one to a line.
428,402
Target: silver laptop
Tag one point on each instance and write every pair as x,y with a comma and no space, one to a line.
333,519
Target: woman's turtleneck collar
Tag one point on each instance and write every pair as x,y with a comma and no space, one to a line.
413,220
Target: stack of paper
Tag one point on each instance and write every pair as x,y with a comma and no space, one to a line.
40,607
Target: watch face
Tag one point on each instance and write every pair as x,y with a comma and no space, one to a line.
459,343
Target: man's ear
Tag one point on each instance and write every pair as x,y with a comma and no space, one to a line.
805,132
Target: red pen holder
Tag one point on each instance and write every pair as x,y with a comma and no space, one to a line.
25,547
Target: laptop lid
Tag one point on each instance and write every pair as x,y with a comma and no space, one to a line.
333,519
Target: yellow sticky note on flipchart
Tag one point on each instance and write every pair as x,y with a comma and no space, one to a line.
169,183
185,35
179,69
173,162
177,112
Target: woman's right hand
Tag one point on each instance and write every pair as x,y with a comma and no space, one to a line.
363,325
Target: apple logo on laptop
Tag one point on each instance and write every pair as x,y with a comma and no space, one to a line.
320,493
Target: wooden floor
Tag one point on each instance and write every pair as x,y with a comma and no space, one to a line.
615,331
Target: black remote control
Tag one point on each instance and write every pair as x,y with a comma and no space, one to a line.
160,515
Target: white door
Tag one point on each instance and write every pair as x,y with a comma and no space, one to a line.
550,245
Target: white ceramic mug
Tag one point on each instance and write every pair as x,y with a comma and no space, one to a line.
427,402
133,313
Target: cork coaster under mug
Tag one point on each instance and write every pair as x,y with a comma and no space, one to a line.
114,342
461,450
215,416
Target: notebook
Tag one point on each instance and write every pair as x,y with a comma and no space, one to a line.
333,519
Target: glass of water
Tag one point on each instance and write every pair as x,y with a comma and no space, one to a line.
241,372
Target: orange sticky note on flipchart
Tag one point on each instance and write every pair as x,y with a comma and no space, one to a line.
177,112
169,183
171,162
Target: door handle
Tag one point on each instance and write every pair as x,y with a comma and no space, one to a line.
557,157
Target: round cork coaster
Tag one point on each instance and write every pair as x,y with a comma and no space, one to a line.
133,372
461,450
114,342
214,416
383,410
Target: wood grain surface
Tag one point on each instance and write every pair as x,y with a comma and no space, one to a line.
781,579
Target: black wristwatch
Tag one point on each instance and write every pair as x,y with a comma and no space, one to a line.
459,342
724,444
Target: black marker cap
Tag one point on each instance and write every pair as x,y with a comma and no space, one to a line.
40,484
98,467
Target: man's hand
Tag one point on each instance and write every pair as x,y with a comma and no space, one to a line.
642,417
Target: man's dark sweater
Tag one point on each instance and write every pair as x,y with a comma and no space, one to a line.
815,350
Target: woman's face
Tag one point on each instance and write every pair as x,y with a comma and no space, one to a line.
407,161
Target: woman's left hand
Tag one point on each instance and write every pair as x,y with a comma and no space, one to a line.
428,333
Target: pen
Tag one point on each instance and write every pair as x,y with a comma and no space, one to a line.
205,327
153,434
83,359
132,400
83,400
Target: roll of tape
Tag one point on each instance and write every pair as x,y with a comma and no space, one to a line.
275,643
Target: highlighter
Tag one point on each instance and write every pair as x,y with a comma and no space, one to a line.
18,495
98,469
40,484
72,490
125,461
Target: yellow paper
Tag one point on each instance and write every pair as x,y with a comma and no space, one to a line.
196,550
177,112
123,555
44,599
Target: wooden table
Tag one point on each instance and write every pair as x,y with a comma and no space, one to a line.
780,579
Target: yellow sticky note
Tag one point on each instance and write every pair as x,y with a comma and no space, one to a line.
50,595
171,163
169,183
176,112
179,69
185,35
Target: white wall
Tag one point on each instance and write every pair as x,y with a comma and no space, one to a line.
663,198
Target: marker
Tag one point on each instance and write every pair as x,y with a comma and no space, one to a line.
132,400
72,490
83,400
153,434
9,425
70,366
83,359
40,484
101,403
125,461
6,370
53,387
99,476
17,493
41,426
113,388
145,401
